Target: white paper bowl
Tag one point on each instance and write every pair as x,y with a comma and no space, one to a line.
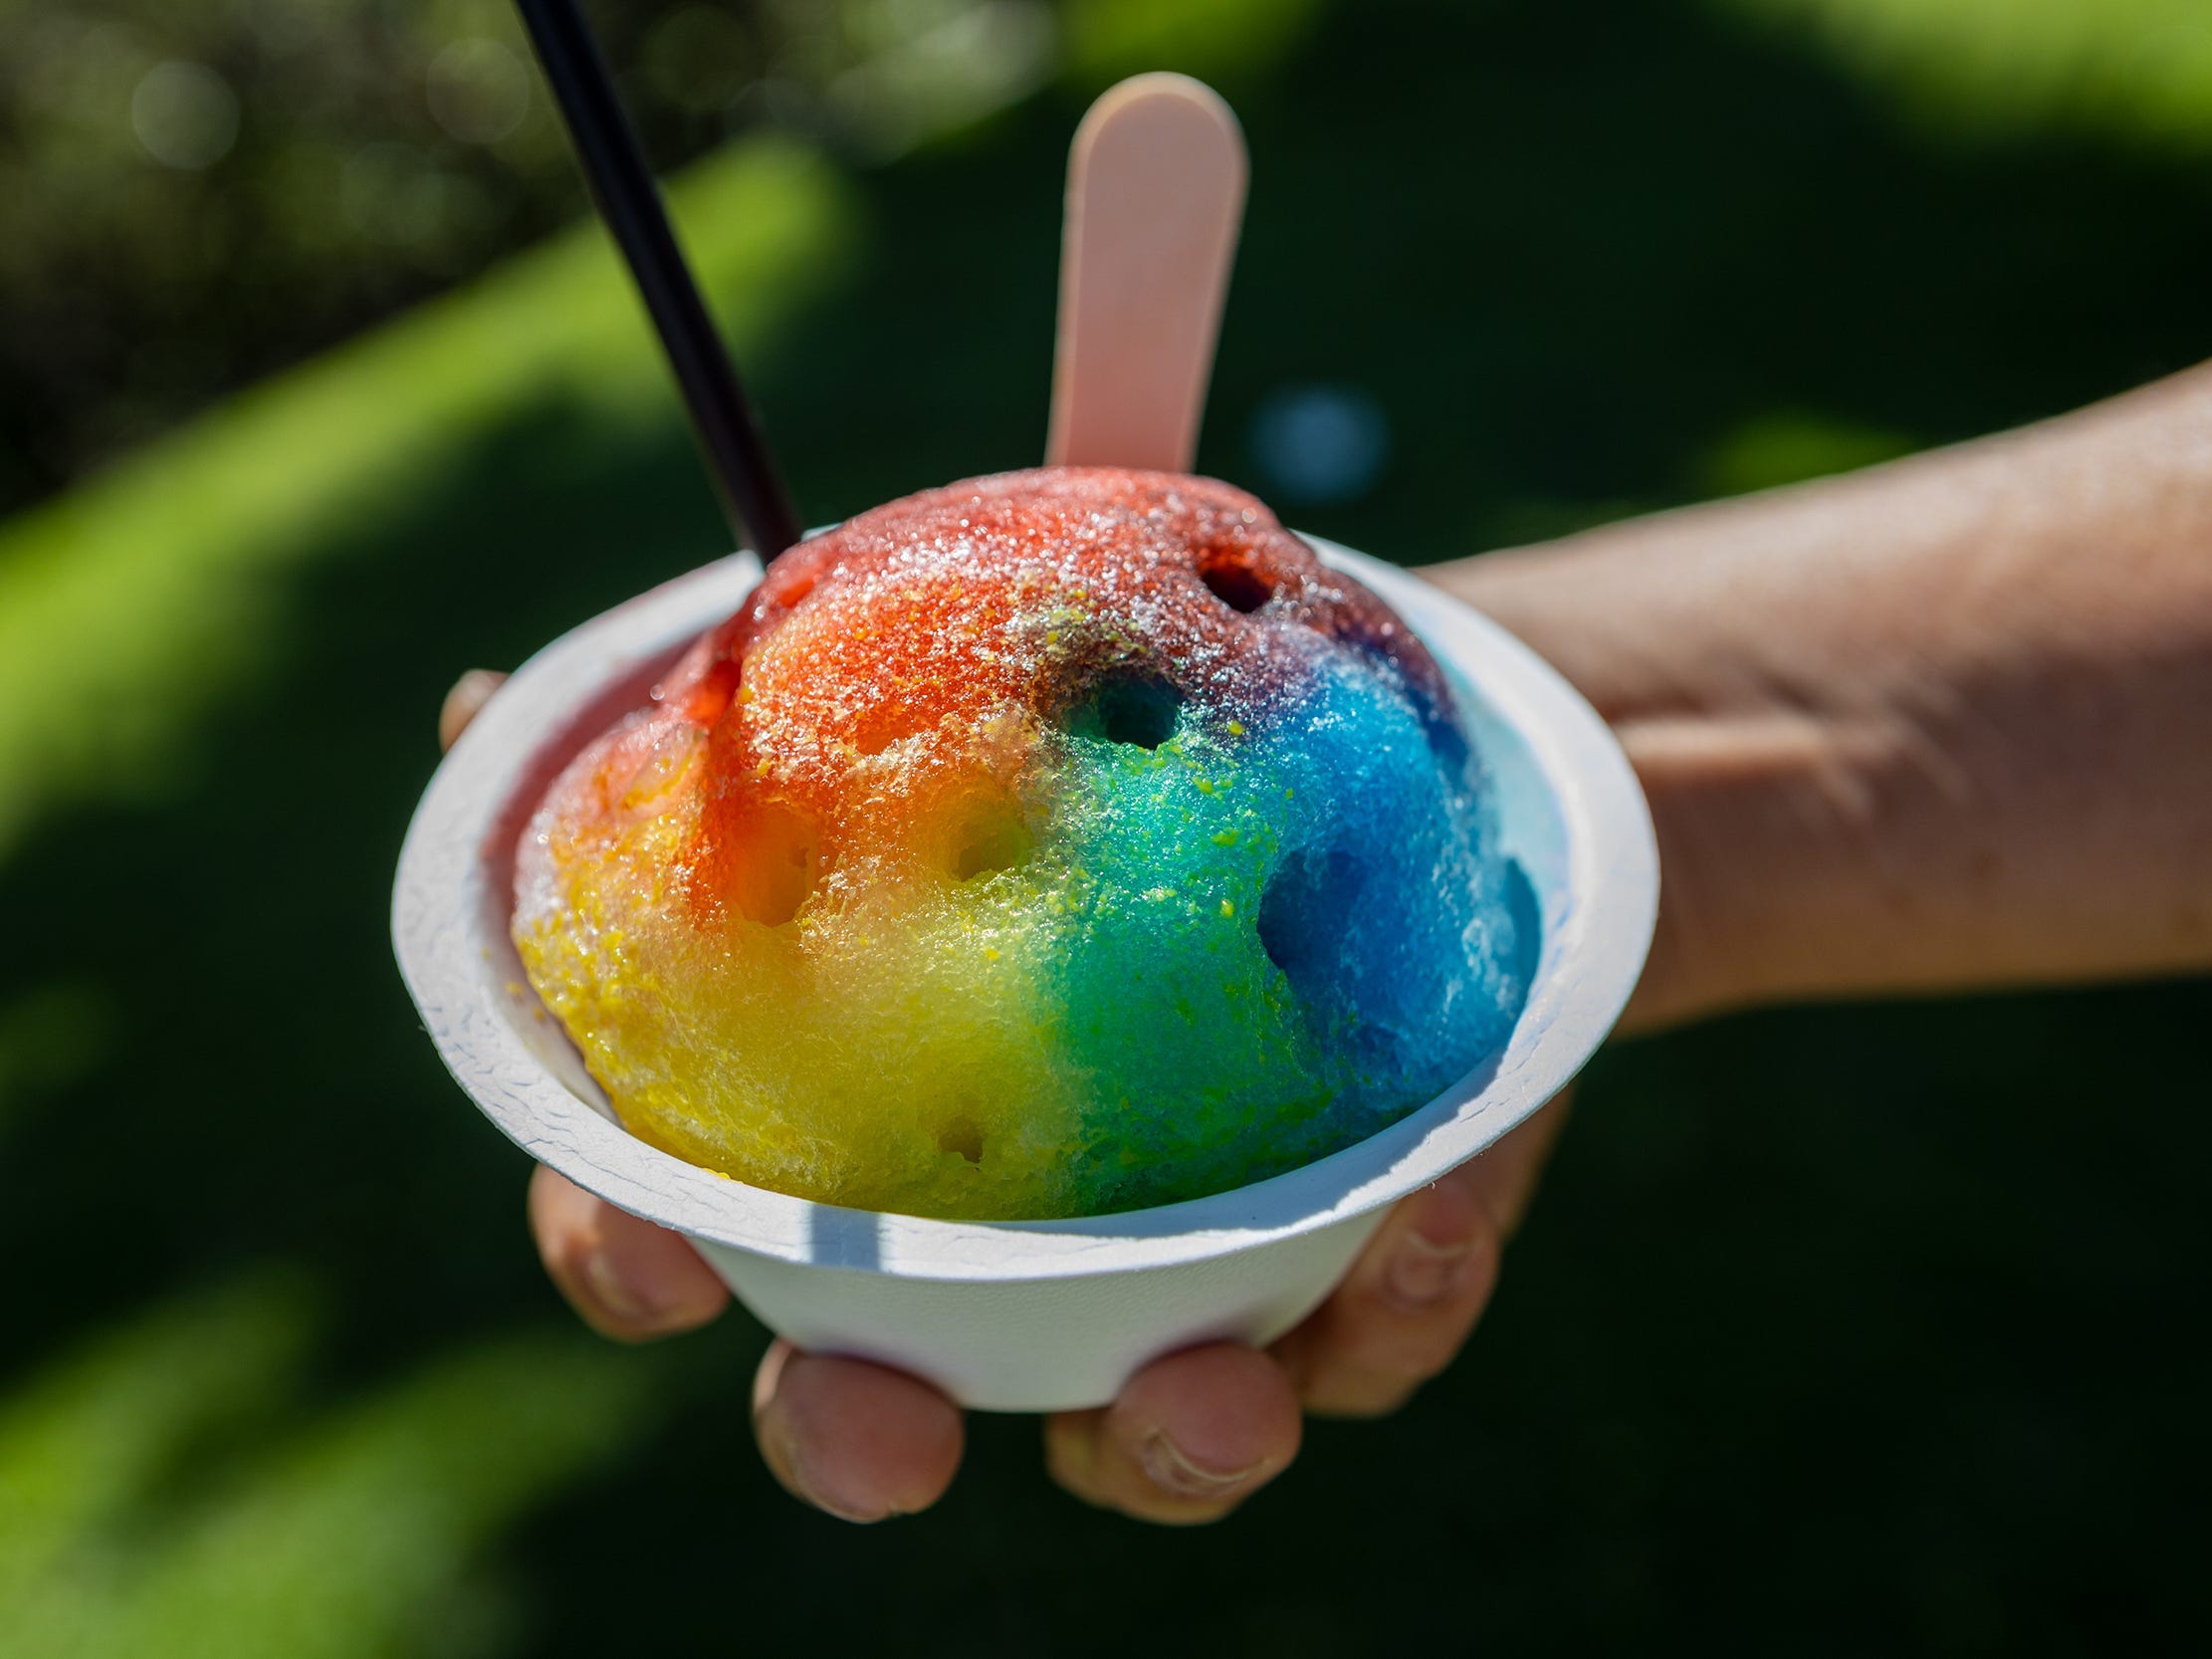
1017,1316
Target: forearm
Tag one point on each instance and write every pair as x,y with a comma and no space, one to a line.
1945,723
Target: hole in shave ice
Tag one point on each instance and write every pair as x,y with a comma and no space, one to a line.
993,838
1305,914
961,1137
1239,587
1448,744
1130,707
775,870
1022,875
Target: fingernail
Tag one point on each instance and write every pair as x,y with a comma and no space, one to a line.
1171,1469
646,1290
780,1449
639,1297
461,704
613,1294
779,1446
1422,1273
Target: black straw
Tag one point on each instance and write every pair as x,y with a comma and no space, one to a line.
614,171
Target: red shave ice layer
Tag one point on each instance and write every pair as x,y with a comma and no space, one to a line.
937,611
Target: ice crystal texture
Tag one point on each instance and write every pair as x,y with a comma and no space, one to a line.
1052,844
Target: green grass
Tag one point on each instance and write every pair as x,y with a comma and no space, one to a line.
343,1534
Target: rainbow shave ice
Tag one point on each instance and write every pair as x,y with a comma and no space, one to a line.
1047,844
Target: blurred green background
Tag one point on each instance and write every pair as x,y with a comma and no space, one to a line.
1835,1331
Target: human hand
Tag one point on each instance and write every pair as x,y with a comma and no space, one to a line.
1904,731
1190,1436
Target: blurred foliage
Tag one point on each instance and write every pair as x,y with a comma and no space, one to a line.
167,562
1847,1331
48,1036
2139,71
192,194
195,193
1787,446
1223,41
344,1540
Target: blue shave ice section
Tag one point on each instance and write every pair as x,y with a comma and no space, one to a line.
1306,929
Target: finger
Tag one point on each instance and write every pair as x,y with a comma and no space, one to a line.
469,695
860,1441
1190,1437
627,1277
1418,1289
1404,1310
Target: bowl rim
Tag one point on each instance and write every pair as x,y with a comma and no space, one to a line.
449,935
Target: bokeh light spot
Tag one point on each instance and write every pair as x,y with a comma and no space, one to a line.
1320,444
479,89
184,115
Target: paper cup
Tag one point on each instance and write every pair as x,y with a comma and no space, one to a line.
1017,1316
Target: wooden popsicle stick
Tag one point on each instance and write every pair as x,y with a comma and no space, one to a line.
1155,196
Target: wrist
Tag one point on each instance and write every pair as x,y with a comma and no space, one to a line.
1765,795
1930,727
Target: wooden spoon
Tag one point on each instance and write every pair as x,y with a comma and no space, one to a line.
1155,196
